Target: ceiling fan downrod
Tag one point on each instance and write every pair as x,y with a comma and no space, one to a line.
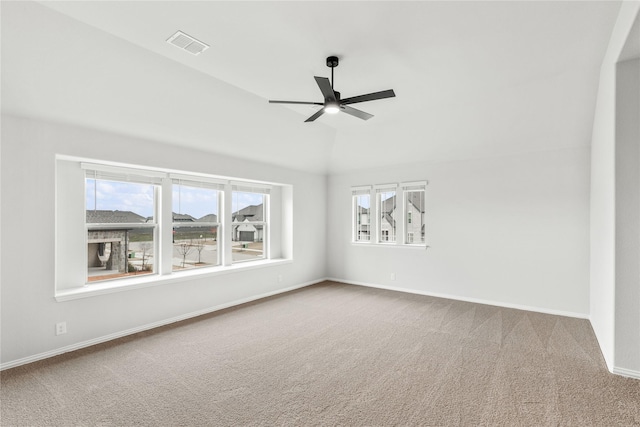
332,62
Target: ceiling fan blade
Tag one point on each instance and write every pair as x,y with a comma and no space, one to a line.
356,113
369,97
295,102
325,87
316,115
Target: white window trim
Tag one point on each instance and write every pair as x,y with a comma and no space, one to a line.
379,189
413,187
147,281
201,182
363,190
66,289
258,189
374,214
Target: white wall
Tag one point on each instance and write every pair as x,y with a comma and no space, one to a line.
511,231
603,189
76,73
29,310
627,248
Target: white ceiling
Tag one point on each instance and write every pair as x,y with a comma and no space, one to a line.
472,79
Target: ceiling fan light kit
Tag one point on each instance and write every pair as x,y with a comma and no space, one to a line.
332,108
332,103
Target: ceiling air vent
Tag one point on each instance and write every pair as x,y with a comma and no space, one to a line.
188,43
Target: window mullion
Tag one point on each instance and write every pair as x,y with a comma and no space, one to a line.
165,226
266,229
400,216
220,231
226,226
374,211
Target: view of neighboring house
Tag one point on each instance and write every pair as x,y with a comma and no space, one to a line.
208,218
186,227
387,220
363,233
108,247
242,228
414,224
183,218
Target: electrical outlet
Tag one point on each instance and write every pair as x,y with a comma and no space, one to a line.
61,328
279,278
393,276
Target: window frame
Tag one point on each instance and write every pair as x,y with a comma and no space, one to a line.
265,192
356,215
163,222
213,185
383,238
70,241
121,175
413,187
391,237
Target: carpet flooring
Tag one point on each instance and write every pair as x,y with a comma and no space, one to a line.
333,354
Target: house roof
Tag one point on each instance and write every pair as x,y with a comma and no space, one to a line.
208,218
250,213
414,198
182,217
362,209
389,205
113,217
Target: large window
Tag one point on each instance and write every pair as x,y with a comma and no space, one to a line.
397,217
151,222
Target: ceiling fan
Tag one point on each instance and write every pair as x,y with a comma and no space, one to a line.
332,103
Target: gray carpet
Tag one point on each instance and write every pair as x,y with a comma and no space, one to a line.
333,354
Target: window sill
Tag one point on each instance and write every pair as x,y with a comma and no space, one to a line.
391,245
95,289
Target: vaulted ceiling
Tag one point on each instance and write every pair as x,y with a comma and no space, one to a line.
472,79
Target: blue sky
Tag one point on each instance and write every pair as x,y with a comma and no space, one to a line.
121,196
363,200
138,198
193,201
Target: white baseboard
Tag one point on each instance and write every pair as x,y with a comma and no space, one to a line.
460,298
629,373
105,338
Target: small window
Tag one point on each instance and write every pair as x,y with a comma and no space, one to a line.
121,228
195,217
415,226
248,226
361,209
387,211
